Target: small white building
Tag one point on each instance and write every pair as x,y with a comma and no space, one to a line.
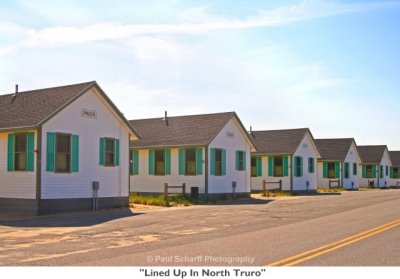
375,168
395,169
339,163
55,142
289,156
210,152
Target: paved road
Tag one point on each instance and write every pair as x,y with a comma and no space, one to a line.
256,233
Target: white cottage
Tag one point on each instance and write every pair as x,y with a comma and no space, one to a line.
289,156
376,164
339,163
395,169
210,152
55,142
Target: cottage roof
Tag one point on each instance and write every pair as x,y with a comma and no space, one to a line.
277,142
30,109
334,149
188,130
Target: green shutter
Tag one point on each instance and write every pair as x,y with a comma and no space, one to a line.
259,166
270,166
391,172
101,151
30,140
285,165
50,158
244,160
10,152
325,169
364,171
151,161
346,170
223,162
212,161
74,153
135,162
117,152
199,160
381,171
301,166
236,160
181,161
374,171
167,161
337,169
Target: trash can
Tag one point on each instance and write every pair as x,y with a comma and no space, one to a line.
194,193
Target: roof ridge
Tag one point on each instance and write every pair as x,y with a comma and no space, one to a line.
49,88
294,129
187,115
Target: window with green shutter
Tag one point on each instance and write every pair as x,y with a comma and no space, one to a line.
190,161
20,152
298,166
395,173
332,170
159,162
277,166
218,161
311,165
380,171
253,168
109,152
240,160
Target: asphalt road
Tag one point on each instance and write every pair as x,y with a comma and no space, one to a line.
245,233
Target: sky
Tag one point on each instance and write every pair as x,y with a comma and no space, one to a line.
332,66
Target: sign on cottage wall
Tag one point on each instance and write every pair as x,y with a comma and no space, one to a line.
230,135
87,113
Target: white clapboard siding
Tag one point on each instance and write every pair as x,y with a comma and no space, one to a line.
145,183
231,138
16,184
257,182
306,149
114,181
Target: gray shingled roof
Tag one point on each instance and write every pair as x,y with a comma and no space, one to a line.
276,142
186,130
29,108
395,158
371,154
334,149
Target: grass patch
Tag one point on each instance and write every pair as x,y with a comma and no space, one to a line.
159,200
333,190
277,193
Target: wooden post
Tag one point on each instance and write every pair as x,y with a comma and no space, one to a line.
183,189
280,185
264,189
166,192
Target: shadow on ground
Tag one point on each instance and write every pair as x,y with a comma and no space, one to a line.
76,219
245,201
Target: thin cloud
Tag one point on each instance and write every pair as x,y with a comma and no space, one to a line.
308,10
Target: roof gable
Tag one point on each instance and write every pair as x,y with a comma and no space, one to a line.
275,142
334,149
30,108
372,154
188,130
395,158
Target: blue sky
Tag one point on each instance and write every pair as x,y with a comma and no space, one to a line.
332,66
